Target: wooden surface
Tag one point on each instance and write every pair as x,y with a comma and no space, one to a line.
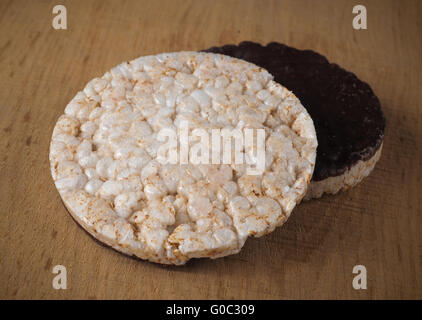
377,224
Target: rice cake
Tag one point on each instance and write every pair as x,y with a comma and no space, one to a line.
104,157
347,115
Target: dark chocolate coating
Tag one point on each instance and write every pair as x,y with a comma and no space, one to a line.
347,115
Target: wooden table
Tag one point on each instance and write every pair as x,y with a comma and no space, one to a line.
378,224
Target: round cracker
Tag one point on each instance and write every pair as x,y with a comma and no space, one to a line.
348,117
103,156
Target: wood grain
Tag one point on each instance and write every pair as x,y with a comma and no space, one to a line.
377,224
